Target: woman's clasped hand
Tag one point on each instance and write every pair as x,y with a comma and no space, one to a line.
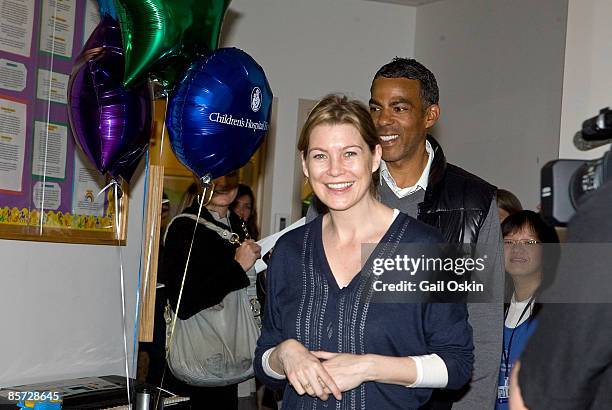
305,372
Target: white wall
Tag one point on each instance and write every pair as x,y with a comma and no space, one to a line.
499,65
61,305
587,84
311,48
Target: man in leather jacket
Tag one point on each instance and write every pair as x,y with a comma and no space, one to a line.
416,179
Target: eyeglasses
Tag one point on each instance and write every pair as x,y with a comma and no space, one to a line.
522,242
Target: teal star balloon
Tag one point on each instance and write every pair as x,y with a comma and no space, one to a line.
162,37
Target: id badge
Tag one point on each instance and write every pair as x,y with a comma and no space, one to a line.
502,392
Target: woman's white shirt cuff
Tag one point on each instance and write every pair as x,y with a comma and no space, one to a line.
431,372
265,361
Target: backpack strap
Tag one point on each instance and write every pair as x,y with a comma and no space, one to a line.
223,233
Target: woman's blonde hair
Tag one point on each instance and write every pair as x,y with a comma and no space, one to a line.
336,109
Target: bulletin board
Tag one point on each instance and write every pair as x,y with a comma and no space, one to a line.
48,189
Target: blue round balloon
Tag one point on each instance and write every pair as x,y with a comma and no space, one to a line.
219,113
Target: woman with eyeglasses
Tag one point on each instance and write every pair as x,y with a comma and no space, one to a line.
531,258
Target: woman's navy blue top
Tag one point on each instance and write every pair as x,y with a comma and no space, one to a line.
305,303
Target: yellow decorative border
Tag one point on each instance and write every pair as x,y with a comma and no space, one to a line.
52,219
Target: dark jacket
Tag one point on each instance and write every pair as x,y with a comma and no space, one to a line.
456,202
567,363
213,272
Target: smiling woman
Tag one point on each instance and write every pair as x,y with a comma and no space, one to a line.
339,165
321,332
356,130
531,255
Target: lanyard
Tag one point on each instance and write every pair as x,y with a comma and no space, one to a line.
506,356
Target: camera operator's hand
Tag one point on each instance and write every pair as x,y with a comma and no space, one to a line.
248,252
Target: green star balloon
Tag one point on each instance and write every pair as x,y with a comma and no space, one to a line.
162,37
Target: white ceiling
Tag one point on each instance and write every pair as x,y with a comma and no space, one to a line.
407,2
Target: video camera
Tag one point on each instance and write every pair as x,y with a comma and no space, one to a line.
566,183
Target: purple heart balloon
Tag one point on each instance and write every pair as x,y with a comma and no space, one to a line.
110,123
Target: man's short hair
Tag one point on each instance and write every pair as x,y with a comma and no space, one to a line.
413,70
507,201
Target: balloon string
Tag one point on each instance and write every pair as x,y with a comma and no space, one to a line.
180,296
163,133
150,248
142,234
44,184
161,152
151,235
106,187
155,207
123,315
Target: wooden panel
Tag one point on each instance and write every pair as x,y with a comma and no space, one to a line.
150,243
165,156
150,240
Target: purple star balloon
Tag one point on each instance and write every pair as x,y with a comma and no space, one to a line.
110,123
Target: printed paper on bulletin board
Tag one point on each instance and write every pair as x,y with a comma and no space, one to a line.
44,178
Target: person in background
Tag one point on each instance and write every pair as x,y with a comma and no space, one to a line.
531,254
418,180
323,338
216,268
244,207
188,197
507,203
